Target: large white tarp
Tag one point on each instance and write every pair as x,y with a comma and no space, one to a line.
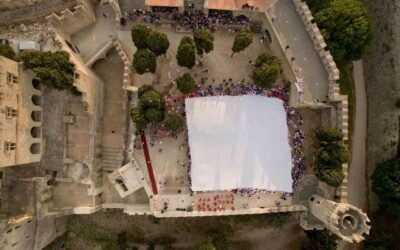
238,142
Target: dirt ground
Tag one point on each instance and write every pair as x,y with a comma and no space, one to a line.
98,231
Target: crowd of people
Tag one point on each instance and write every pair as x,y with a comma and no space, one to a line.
189,19
218,202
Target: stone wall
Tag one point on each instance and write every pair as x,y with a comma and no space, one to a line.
340,102
72,21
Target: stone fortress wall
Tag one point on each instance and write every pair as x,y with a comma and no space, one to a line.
340,101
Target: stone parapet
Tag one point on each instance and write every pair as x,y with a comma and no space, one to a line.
71,21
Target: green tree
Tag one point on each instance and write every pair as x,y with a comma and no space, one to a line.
144,61
186,55
386,184
320,240
346,28
154,115
242,40
266,75
138,118
331,176
7,51
152,99
140,34
54,69
204,41
267,58
174,123
187,39
143,89
329,134
186,83
158,42
317,5
205,244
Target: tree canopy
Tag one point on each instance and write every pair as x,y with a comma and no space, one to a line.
139,35
158,42
266,74
186,83
267,58
7,51
346,28
204,41
242,40
330,156
174,123
186,55
54,69
317,5
386,184
144,61
151,107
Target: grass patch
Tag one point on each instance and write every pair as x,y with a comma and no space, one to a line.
346,83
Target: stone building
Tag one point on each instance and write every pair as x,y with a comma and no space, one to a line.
20,118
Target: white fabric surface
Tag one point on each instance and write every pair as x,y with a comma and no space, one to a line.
238,142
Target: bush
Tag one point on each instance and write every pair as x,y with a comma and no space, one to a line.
346,27
140,35
186,55
143,89
138,118
144,61
186,83
7,51
242,40
174,123
204,41
329,134
267,58
158,42
152,99
330,156
266,75
154,115
53,69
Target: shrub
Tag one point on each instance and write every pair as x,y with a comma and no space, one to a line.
138,118
267,58
329,134
174,123
186,55
186,83
154,115
205,244
204,41
266,75
140,35
144,61
158,42
7,51
242,40
152,99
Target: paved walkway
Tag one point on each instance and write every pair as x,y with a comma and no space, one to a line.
357,183
289,25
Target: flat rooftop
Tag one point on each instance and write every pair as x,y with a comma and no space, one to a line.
238,142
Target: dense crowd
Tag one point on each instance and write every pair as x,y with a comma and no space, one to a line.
189,19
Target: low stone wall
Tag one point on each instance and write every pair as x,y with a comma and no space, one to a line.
71,21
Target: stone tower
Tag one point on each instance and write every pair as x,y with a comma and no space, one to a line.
342,219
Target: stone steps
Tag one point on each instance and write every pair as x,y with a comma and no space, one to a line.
112,158
127,5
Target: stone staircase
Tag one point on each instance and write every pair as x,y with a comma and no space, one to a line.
127,5
112,158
